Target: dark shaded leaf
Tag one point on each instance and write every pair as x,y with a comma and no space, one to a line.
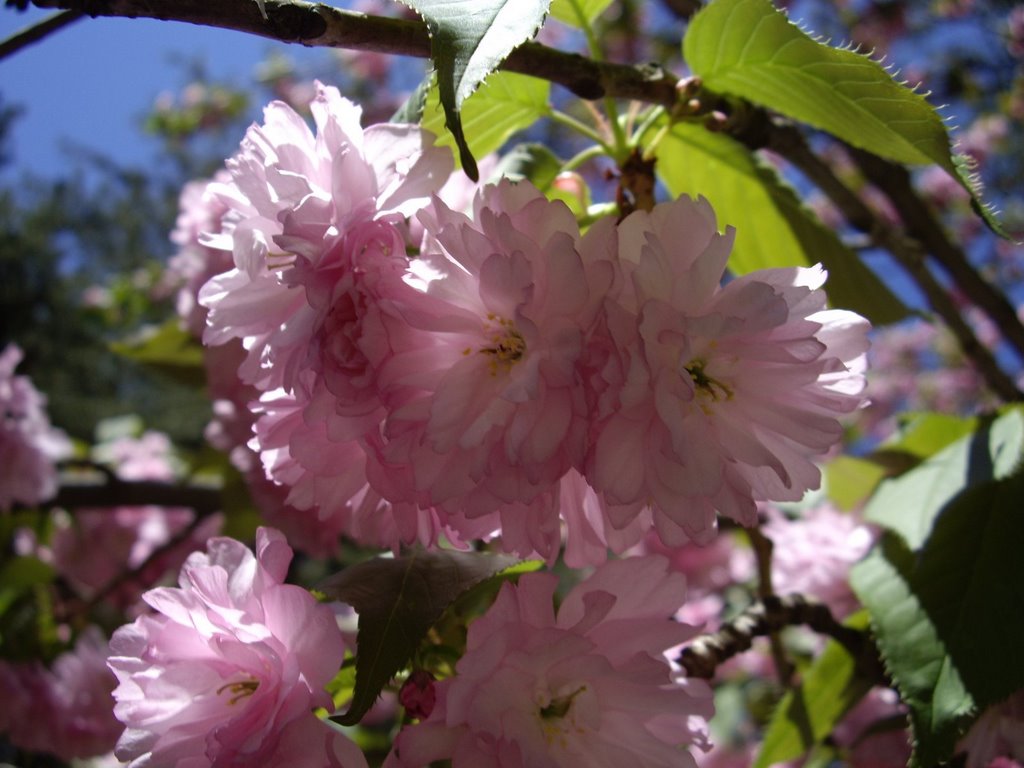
398,600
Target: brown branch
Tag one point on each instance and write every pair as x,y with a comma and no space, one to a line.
320,25
37,32
790,144
702,657
763,547
895,183
120,493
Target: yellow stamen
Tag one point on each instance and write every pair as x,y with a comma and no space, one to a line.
241,690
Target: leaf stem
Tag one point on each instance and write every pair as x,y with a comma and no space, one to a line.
597,55
580,127
580,158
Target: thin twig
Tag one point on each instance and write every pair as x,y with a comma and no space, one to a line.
37,32
763,547
702,657
135,574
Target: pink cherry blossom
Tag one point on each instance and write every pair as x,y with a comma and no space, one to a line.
229,668
200,214
813,553
867,745
29,445
999,732
590,685
486,407
710,569
327,479
717,395
316,227
302,208
64,710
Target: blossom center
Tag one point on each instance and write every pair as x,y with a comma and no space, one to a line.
559,707
505,344
556,722
240,690
708,388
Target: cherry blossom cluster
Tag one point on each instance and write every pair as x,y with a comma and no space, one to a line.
586,685
229,667
29,445
63,709
427,366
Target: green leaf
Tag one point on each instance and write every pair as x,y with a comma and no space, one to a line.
970,580
578,13
849,480
909,504
506,103
398,600
21,573
748,48
468,40
913,653
809,712
773,228
168,348
924,434
971,181
534,162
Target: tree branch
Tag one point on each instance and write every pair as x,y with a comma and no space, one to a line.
37,32
894,182
763,547
320,25
702,657
121,493
909,252
316,24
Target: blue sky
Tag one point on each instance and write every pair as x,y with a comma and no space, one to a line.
92,82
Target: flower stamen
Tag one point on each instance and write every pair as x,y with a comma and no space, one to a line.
242,690
708,387
560,707
507,346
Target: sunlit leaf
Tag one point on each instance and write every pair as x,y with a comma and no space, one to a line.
924,434
168,348
506,103
468,40
810,711
748,48
849,480
578,13
909,504
773,228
